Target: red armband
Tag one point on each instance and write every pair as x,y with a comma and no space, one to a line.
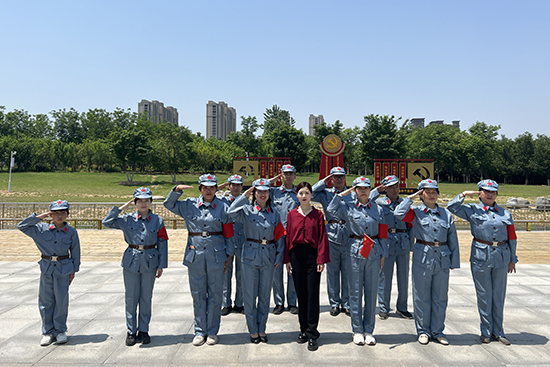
382,230
279,231
511,229
228,230
162,233
409,217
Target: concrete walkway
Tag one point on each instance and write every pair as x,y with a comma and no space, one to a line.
97,328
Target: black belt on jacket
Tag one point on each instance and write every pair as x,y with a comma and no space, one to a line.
55,258
434,244
395,230
490,243
361,237
205,233
337,221
142,247
262,242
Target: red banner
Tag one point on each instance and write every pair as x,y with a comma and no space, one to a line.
263,171
271,169
394,170
332,149
402,175
279,166
385,169
377,173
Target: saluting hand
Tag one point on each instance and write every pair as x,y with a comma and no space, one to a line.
44,215
127,204
328,179
248,192
415,195
223,186
182,187
347,192
469,193
273,179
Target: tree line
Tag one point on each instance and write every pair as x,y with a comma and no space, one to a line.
122,140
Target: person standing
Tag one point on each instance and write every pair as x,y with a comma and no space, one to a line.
142,262
235,183
284,200
208,252
306,253
364,220
399,251
337,275
435,252
262,253
59,246
492,257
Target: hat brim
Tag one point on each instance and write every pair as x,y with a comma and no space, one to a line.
143,196
489,188
208,183
338,174
362,185
59,209
392,183
262,188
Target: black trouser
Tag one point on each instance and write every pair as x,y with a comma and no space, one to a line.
307,281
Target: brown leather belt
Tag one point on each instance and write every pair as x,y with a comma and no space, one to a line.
434,244
55,258
395,230
337,221
490,243
262,242
142,247
205,233
361,237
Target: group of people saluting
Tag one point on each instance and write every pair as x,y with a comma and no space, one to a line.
362,238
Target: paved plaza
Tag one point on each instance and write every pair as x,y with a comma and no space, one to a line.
97,327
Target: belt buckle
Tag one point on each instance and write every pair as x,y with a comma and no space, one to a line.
141,247
264,242
495,243
392,230
53,258
204,234
437,243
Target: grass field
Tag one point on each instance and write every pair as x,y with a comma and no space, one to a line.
112,187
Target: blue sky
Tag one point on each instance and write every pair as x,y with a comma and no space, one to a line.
451,60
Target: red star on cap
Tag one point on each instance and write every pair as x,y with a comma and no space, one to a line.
59,201
430,181
142,190
489,183
339,169
209,177
362,178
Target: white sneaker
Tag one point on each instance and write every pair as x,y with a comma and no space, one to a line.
212,339
359,339
423,339
47,340
199,340
61,338
369,339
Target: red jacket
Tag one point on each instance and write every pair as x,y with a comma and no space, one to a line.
309,230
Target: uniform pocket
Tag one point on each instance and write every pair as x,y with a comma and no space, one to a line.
189,255
250,251
479,252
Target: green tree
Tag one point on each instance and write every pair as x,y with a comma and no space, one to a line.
172,148
67,126
275,117
96,124
524,155
380,138
290,142
132,148
542,156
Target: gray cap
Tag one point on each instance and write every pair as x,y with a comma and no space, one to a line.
261,184
208,180
143,193
488,185
59,205
288,168
236,179
390,180
428,184
361,182
337,171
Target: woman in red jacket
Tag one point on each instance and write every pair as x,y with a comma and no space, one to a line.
306,253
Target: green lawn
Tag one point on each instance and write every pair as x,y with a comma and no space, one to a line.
107,187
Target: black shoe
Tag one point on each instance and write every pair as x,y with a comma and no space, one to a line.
130,339
404,314
279,309
255,340
142,337
238,309
334,311
312,345
302,338
226,311
263,338
293,310
347,312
